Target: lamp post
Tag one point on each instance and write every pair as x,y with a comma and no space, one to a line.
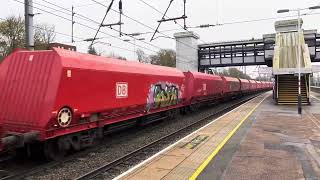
299,48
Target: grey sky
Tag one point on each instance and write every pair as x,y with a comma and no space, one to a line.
198,11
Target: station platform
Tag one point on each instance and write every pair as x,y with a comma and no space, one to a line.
257,140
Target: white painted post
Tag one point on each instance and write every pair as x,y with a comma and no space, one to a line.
186,51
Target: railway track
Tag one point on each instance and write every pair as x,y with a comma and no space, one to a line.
35,168
116,167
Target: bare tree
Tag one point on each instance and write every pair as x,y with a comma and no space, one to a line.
116,56
142,57
44,35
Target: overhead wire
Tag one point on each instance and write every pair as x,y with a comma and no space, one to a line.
88,19
147,26
83,40
80,39
154,8
93,21
137,21
88,4
163,17
227,23
254,20
95,30
104,17
84,25
313,9
80,16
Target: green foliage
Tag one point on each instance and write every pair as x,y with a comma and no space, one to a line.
165,57
12,34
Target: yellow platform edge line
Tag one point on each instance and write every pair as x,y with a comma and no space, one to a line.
220,146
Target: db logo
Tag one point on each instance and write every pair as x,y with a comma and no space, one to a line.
122,90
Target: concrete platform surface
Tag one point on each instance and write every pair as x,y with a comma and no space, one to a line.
280,145
315,96
258,140
188,157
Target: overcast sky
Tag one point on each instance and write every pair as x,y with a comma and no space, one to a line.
198,12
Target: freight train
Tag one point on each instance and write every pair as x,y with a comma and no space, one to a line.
59,100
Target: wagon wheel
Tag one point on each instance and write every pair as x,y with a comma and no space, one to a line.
64,117
54,151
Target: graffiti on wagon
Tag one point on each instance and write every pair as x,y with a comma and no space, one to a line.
162,94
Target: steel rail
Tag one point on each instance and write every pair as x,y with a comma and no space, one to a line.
125,160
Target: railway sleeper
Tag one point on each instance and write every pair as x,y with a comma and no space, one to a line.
151,119
119,126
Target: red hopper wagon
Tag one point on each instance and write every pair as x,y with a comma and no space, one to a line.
245,85
59,100
58,93
232,86
203,87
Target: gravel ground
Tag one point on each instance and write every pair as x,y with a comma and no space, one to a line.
118,144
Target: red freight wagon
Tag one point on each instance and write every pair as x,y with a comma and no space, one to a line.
265,85
46,94
231,85
202,87
259,85
253,85
245,85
